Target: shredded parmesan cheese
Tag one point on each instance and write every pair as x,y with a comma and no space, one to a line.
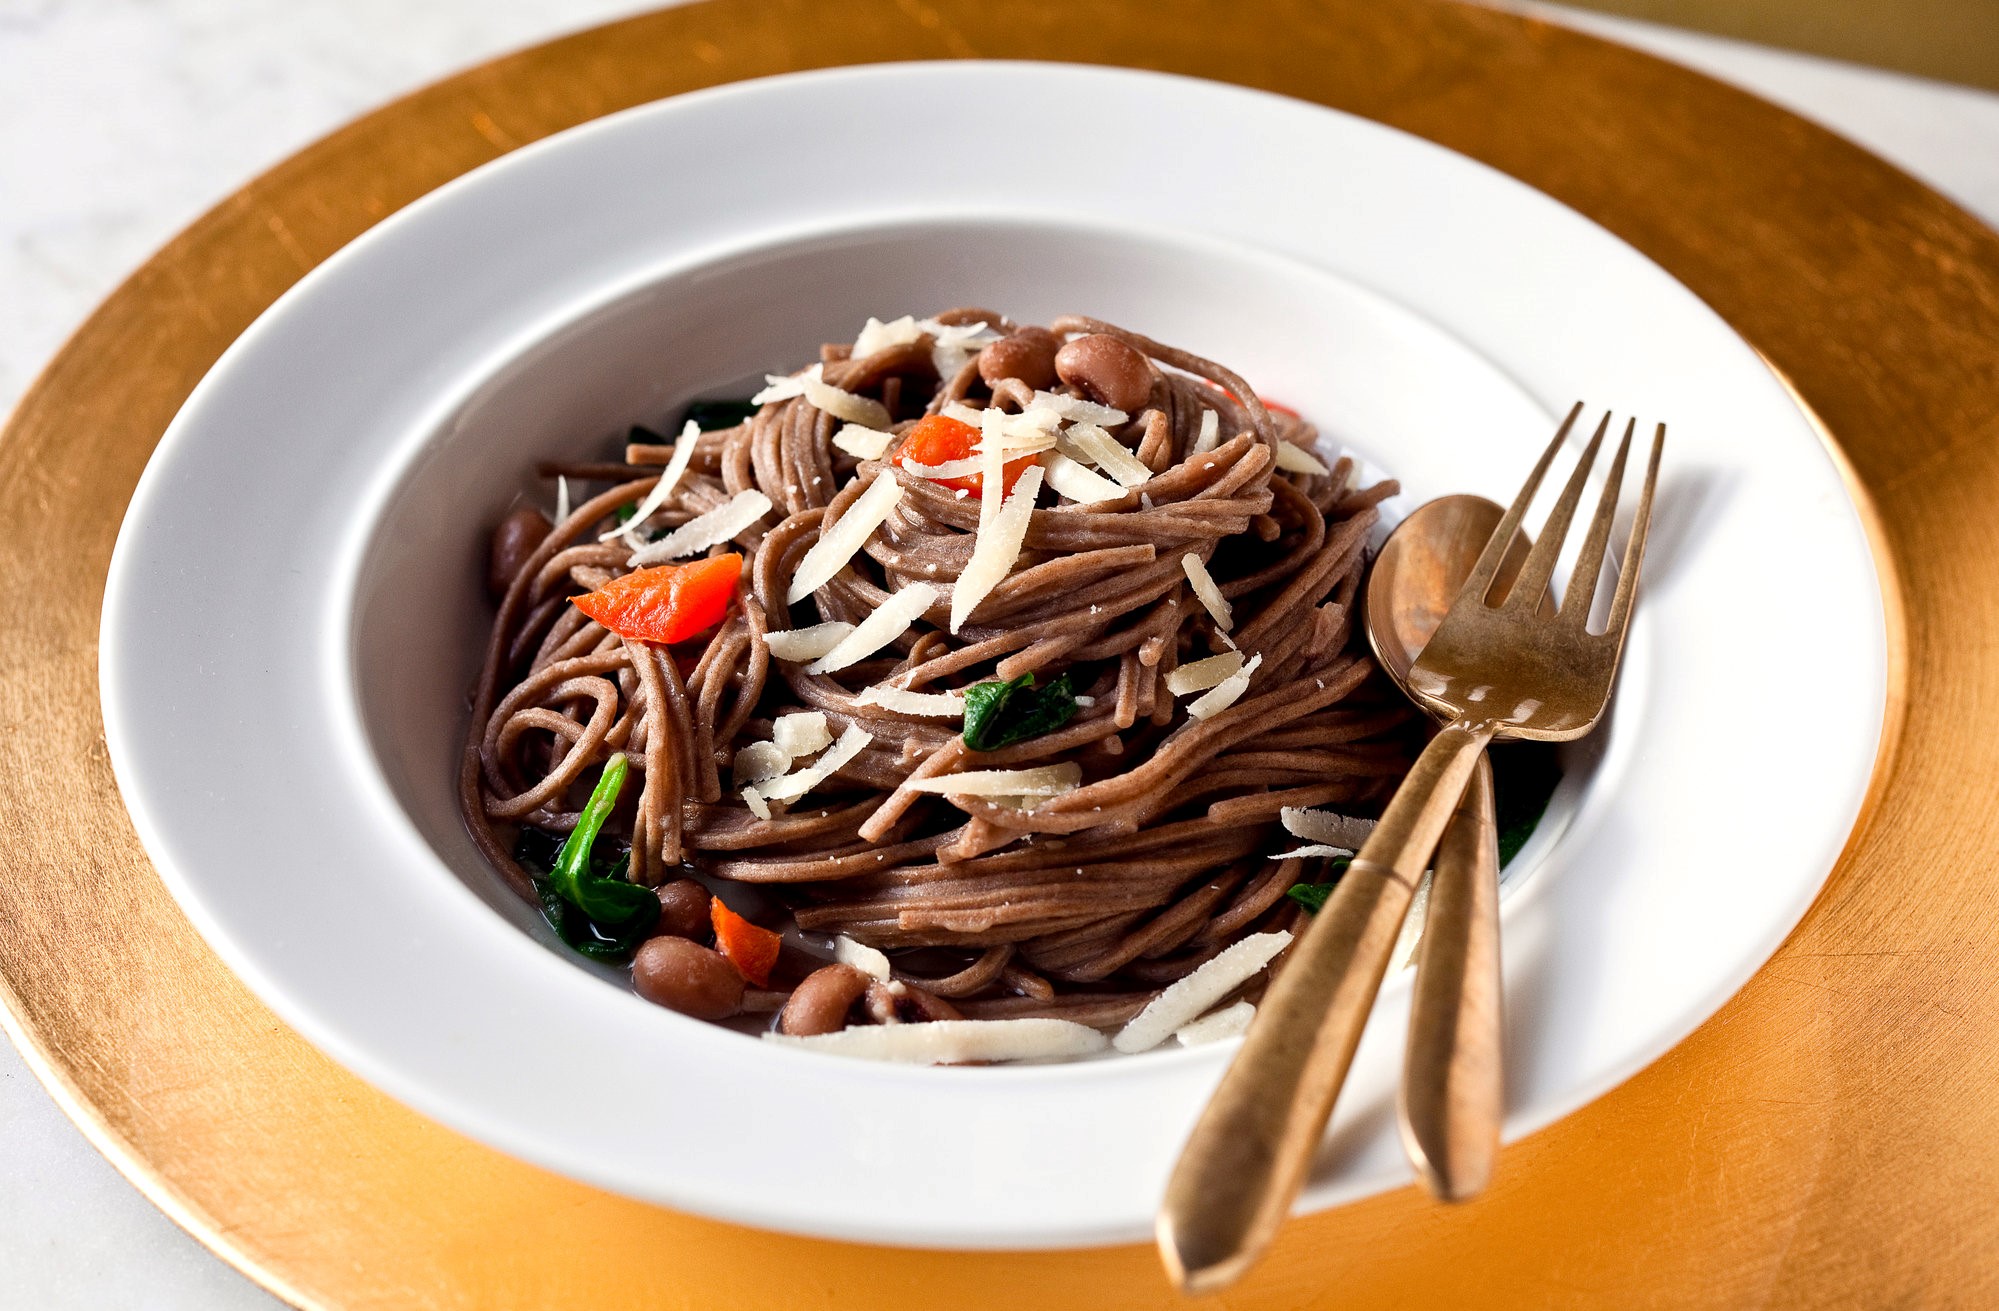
861,956
561,498
1041,781
1076,482
1190,998
703,531
890,620
861,443
877,336
829,555
759,761
1225,693
1089,442
1209,436
940,705
1298,460
1204,587
800,734
864,410
1077,410
795,785
669,478
1317,851
952,1042
1228,1022
1324,826
1203,674
778,387
997,547
807,643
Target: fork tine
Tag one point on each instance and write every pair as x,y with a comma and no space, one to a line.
1480,580
1540,565
1634,550
1589,565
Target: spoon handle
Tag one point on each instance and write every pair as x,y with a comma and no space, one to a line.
1251,1149
1452,1093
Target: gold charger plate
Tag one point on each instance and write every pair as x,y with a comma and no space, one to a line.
1829,1138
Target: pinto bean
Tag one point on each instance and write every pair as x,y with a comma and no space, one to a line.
820,1003
687,977
1028,355
683,910
1107,370
513,542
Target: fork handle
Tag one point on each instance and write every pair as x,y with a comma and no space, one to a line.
1250,1150
1452,1093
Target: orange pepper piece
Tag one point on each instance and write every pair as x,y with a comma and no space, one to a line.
938,439
748,947
667,603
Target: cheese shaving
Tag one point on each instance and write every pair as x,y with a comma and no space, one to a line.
561,498
997,547
864,410
1076,482
669,478
890,620
938,705
862,443
759,761
705,530
1225,693
795,785
1211,596
962,412
862,957
1201,675
1190,998
877,336
755,801
992,473
954,345
807,643
1298,460
829,555
780,387
964,468
1077,410
1089,442
1041,781
953,1042
1324,826
800,734
1228,1022
1314,852
1210,435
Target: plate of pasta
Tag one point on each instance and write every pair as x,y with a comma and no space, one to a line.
819,694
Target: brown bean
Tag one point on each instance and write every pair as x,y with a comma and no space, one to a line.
683,910
683,976
820,1003
1028,355
513,542
1106,370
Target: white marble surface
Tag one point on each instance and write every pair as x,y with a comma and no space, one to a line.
121,120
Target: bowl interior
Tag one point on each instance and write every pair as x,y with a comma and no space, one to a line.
1380,382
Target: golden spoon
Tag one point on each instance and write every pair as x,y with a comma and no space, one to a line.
1451,1098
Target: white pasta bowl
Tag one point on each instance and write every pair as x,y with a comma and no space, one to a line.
294,616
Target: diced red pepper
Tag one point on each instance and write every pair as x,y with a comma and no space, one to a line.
667,603
751,948
938,439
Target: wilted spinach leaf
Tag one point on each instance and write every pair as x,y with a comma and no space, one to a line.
1000,714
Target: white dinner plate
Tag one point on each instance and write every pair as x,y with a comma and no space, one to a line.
293,613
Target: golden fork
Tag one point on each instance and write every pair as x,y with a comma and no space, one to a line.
1492,670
